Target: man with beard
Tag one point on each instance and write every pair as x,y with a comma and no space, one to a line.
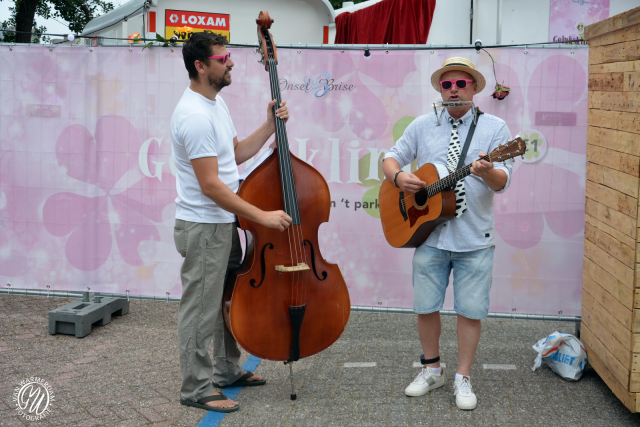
206,152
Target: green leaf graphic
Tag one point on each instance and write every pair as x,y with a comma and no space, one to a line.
363,171
534,144
369,201
400,126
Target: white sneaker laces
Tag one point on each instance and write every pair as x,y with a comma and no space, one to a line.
423,375
464,387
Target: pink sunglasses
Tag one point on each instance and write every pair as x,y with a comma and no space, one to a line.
224,57
448,84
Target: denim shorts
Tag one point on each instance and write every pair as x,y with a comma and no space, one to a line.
472,275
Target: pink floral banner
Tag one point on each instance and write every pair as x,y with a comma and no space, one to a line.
567,18
87,187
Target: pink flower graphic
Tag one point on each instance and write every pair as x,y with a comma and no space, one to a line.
361,108
548,191
42,76
105,162
14,263
16,232
541,192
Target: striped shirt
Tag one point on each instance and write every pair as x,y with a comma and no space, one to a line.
428,143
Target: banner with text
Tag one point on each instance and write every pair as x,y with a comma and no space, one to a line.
567,18
182,24
87,184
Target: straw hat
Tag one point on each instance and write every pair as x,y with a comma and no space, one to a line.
458,63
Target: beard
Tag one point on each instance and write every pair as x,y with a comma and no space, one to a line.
220,82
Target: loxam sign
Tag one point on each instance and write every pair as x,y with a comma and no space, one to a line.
183,23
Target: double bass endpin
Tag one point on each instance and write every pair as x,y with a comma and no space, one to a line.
293,391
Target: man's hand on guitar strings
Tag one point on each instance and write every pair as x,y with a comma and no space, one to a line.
495,179
409,183
480,167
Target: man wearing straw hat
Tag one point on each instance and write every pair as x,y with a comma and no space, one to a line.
464,244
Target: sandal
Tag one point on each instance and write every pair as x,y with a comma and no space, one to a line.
242,382
201,403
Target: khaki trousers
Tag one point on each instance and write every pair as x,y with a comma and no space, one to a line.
209,251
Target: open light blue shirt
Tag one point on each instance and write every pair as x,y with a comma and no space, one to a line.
428,143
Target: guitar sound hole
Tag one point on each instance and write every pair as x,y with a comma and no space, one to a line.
421,198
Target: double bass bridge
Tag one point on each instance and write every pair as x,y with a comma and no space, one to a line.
300,267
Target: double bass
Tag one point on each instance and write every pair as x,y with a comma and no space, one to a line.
286,301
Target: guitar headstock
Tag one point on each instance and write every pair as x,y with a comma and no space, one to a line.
267,48
513,148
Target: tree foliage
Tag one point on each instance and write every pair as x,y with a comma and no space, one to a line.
10,24
337,4
77,13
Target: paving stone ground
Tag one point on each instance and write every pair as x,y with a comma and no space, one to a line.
127,374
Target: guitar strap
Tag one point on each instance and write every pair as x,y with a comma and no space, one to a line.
472,129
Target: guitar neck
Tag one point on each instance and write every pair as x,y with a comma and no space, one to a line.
450,180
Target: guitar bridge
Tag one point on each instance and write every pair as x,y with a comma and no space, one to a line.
403,206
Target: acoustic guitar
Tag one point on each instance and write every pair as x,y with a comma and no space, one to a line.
408,219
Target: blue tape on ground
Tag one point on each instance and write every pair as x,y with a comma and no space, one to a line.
212,419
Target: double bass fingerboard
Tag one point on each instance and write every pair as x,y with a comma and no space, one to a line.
289,195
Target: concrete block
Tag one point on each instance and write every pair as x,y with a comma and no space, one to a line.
77,318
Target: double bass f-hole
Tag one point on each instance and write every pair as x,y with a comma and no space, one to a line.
281,268
313,261
252,282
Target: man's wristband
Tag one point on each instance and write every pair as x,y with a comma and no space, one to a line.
396,177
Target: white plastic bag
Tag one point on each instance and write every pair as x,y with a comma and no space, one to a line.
564,354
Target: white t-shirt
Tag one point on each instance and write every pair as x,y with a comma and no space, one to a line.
202,128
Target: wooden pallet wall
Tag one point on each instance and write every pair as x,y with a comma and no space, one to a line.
611,276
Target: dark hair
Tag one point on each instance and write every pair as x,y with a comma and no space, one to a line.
198,47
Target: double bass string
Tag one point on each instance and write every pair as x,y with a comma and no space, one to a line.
280,144
302,275
289,193
296,229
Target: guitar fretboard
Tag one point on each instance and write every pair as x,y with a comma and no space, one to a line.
449,181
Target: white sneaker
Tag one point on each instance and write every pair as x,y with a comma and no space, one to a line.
425,381
465,398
